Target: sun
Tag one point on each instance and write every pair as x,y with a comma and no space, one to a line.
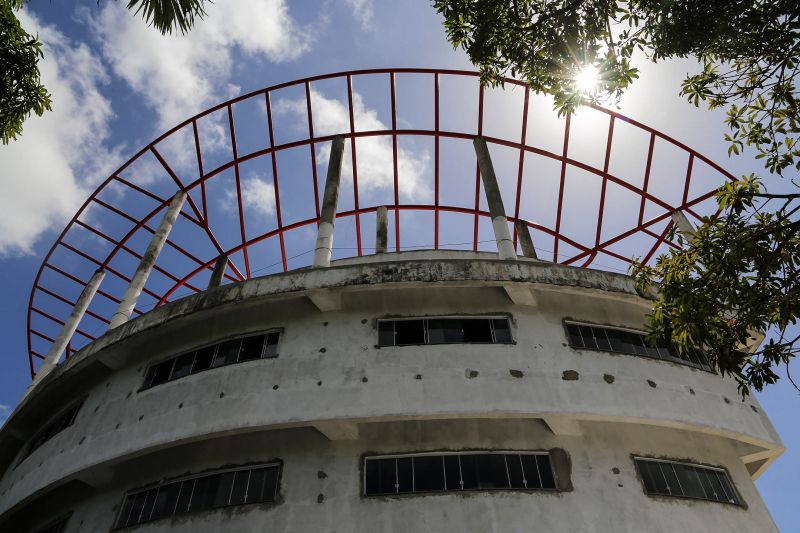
587,79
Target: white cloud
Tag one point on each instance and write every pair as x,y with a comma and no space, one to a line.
257,195
48,172
362,11
375,170
180,75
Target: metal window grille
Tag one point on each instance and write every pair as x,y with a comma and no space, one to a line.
263,346
444,330
685,480
198,493
631,342
64,420
458,471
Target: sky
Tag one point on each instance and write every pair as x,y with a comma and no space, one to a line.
117,84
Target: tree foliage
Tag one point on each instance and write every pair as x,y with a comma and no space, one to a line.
169,15
737,277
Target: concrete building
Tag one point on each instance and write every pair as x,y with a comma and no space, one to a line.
421,390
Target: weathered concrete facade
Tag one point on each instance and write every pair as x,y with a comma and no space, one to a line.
333,396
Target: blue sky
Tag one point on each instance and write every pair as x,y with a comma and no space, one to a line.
117,84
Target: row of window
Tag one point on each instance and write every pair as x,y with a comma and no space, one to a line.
224,353
199,493
414,473
56,426
447,330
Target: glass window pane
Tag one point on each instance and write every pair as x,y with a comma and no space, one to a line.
386,333
546,471
674,486
223,495
492,471
372,473
203,358
690,482
227,352
252,348
469,471
588,337
185,496
648,474
515,473
574,335
271,349
428,473
263,484
125,512
502,330
205,492
405,475
452,472
409,332
137,507
183,366
444,331
708,488
730,493
240,480
385,475
532,474
161,372
601,339
477,329
166,499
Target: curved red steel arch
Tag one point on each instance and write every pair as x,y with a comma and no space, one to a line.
198,214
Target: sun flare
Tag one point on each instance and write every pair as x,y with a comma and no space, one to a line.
587,79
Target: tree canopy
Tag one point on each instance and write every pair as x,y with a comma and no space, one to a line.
737,277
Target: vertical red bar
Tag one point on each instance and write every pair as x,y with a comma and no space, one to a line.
522,140
605,182
436,161
394,163
646,176
478,172
275,182
312,147
353,157
238,190
561,186
200,170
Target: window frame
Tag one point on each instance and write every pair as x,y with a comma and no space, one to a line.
77,406
145,385
426,330
739,501
442,454
670,359
208,473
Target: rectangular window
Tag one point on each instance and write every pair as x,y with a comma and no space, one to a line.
230,351
209,491
64,420
684,480
620,340
444,330
453,472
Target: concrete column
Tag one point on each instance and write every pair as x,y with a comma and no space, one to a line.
128,303
684,226
218,272
525,241
505,246
381,230
327,217
70,325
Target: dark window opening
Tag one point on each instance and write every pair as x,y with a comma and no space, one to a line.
455,330
629,342
670,478
56,426
210,491
457,472
225,353
56,527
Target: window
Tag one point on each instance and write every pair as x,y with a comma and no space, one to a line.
448,472
262,346
55,527
620,340
56,426
444,330
209,491
683,480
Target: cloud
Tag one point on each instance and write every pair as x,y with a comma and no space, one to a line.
179,75
257,195
374,154
362,11
49,171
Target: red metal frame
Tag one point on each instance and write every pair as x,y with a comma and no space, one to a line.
199,215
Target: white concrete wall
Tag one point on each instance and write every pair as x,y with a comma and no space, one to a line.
329,368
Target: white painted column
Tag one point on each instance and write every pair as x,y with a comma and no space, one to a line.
684,226
219,272
70,325
381,230
148,261
327,217
525,241
505,246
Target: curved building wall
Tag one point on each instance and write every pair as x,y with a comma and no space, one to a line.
333,396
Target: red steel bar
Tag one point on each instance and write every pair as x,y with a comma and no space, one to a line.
436,160
561,187
276,185
478,173
394,164
311,147
353,159
238,189
522,142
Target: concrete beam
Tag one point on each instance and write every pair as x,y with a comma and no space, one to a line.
148,261
338,430
70,325
525,241
505,246
326,299
327,217
520,294
563,425
381,230
684,225
219,272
